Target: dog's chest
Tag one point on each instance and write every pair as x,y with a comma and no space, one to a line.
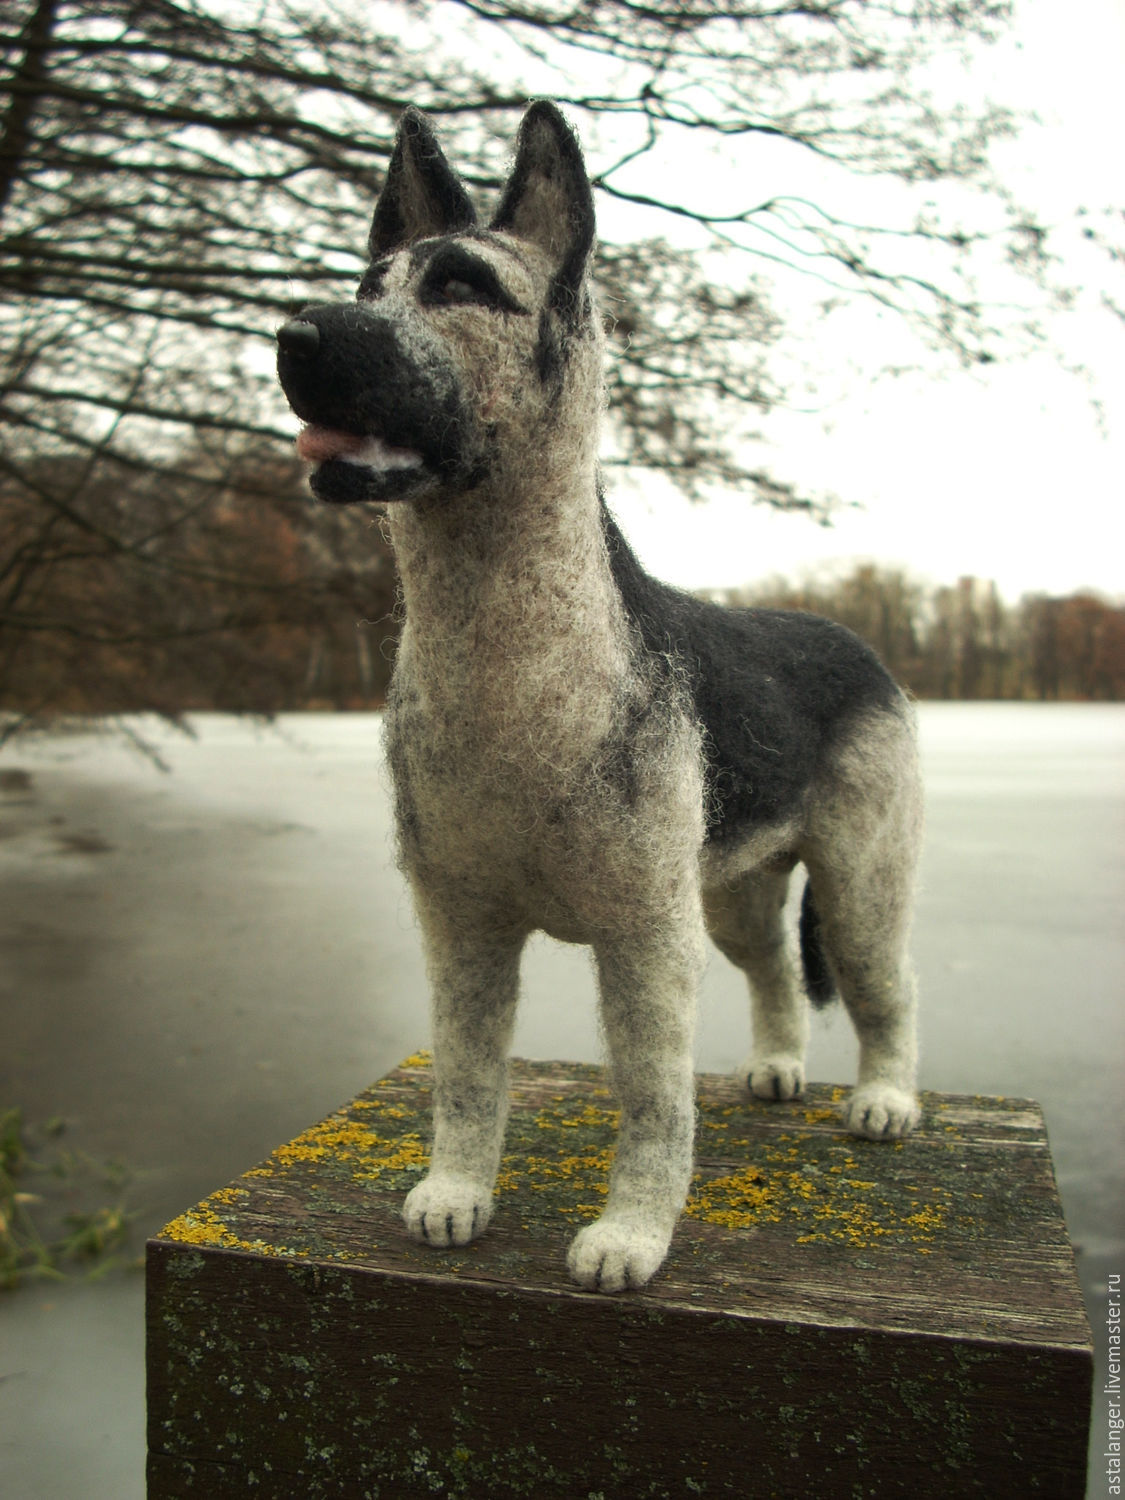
517,822
500,761
543,821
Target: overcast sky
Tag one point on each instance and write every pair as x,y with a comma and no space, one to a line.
1014,473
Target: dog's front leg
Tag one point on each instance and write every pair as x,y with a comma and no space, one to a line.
648,994
474,976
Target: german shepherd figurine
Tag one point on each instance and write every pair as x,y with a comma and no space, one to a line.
576,747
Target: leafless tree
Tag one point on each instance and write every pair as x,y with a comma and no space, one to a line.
177,175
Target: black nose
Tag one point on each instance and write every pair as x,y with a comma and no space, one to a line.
298,338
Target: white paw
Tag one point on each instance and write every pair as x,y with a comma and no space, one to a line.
447,1209
881,1112
611,1255
776,1076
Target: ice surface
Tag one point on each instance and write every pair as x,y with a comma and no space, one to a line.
201,963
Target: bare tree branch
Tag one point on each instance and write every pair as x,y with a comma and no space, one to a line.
173,183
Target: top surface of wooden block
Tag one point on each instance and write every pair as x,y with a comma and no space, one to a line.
957,1231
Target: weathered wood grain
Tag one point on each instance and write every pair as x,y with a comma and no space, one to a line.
837,1317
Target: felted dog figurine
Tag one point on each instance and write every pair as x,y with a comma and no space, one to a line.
576,747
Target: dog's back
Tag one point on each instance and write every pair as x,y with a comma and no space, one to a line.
773,690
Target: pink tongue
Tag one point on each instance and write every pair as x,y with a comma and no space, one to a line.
319,443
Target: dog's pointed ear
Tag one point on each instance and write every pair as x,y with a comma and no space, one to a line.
422,195
548,199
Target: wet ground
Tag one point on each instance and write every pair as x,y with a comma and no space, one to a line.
195,966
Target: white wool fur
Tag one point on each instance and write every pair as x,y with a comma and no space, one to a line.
547,778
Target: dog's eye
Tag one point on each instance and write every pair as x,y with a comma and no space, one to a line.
456,290
455,278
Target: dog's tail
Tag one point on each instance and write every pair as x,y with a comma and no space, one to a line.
819,980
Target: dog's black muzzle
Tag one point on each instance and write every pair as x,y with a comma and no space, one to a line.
386,415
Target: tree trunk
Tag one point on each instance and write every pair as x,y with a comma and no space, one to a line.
26,92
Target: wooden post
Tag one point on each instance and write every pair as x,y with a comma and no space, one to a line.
838,1318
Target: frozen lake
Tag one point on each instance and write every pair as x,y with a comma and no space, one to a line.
198,965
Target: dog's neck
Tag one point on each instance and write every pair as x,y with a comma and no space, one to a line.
513,623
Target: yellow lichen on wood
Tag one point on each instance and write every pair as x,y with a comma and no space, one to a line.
577,1174
735,1201
382,1109
792,1181
591,1115
341,1139
574,1171
419,1059
825,1116
202,1225
808,1181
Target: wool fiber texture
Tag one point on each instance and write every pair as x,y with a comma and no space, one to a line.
575,747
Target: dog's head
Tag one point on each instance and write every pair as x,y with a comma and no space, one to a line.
463,339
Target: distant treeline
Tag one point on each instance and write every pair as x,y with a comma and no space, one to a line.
222,587
964,641
219,587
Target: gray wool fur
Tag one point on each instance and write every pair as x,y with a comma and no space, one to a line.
550,771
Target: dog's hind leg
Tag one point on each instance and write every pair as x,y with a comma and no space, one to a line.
648,999
865,832
746,921
474,978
